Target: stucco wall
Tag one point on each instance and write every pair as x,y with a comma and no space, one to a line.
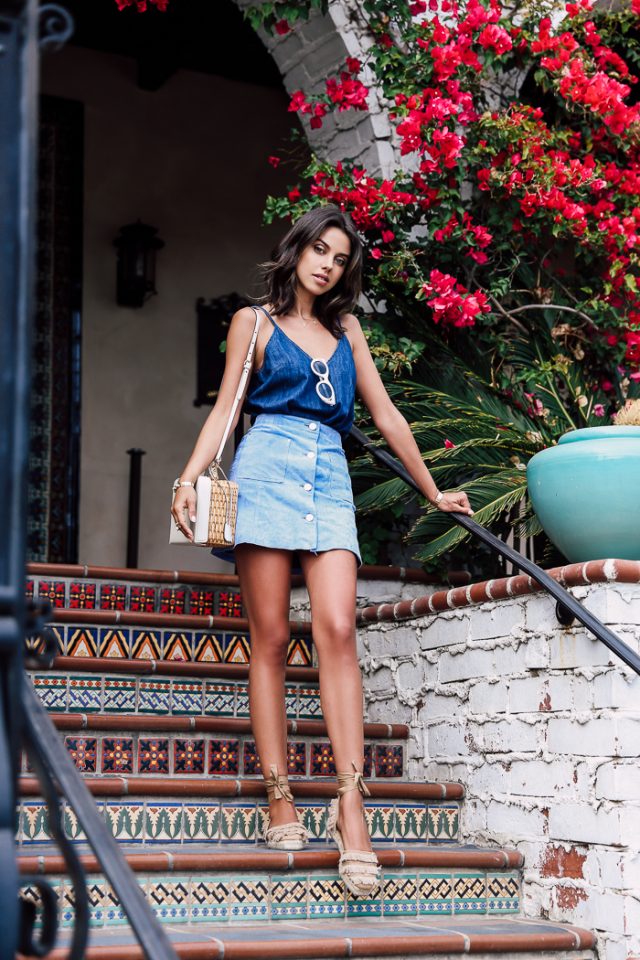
542,726
191,159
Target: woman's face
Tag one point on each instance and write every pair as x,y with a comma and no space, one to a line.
323,262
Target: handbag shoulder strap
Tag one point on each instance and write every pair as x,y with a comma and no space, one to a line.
246,370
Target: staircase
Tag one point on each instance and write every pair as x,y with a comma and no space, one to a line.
149,693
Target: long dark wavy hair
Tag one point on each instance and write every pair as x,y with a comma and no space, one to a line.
279,273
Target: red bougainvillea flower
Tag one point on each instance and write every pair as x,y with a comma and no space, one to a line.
274,161
282,27
451,302
348,93
141,5
449,445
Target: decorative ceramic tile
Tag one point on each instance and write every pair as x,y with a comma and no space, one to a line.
326,897
52,691
288,897
367,768
435,894
172,600
188,756
208,647
29,589
117,755
154,696
146,645
309,704
250,759
400,895
34,820
389,760
314,817
142,599
82,595
229,604
209,896
177,646
238,823
242,700
186,697
219,699
96,890
322,763
82,641
153,755
237,648
53,591
291,703
200,822
72,827
224,757
296,758
503,893
84,752
299,652
114,643
364,907
202,602
410,822
443,823
381,820
169,898
249,899
113,596
114,914
119,695
126,821
85,694
469,893
163,821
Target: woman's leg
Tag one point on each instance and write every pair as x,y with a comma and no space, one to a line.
265,581
331,582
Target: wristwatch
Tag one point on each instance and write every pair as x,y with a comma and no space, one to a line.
438,497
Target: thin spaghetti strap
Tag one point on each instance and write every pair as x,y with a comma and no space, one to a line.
258,306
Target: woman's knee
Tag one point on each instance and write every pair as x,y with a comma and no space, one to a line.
337,637
270,643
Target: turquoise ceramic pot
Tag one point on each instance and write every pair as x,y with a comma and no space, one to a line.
586,493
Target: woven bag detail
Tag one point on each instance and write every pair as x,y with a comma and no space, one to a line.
223,509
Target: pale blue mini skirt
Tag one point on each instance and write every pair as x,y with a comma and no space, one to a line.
294,489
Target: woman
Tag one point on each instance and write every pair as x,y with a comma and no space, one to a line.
295,496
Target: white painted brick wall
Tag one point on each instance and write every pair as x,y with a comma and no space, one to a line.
542,725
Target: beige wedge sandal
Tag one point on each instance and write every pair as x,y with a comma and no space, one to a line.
358,869
287,836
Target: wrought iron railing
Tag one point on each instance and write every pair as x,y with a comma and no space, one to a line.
568,608
24,723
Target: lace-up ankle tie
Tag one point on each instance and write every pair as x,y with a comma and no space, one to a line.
287,836
358,869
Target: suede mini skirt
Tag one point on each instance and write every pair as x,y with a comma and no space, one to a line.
294,489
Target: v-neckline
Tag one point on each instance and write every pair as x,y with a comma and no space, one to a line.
302,350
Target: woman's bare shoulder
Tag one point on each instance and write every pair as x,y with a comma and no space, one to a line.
351,326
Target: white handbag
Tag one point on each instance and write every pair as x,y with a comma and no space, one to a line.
216,496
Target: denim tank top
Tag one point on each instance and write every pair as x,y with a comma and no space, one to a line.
286,384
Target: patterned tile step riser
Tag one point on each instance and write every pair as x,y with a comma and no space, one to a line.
187,821
219,898
95,693
195,646
136,597
198,755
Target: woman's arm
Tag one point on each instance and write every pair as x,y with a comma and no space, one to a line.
393,426
206,446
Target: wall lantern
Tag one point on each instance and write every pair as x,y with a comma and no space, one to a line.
137,244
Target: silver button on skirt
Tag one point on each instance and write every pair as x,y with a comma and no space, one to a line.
294,490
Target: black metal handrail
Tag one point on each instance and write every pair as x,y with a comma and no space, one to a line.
567,602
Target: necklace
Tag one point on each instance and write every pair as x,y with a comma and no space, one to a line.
306,321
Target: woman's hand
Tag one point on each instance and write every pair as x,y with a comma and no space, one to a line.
184,505
455,502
